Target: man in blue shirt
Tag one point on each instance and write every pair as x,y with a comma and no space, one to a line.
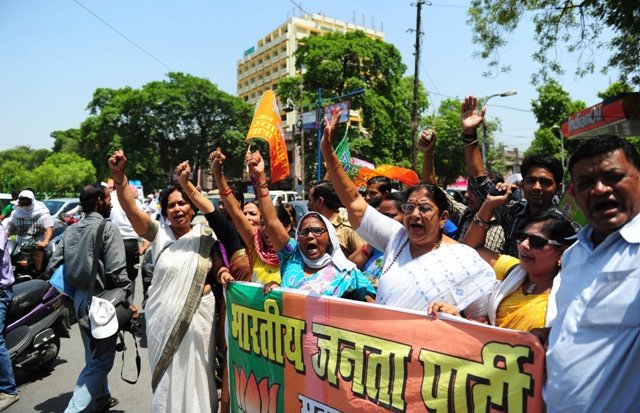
593,357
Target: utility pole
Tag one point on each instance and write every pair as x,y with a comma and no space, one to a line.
416,84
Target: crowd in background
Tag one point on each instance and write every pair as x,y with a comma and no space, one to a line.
507,257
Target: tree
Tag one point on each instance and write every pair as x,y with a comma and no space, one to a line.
615,89
339,63
578,26
66,141
16,163
162,124
552,106
449,161
62,173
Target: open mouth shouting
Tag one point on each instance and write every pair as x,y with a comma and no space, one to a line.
605,208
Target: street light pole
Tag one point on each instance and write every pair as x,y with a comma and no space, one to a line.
558,132
484,125
320,117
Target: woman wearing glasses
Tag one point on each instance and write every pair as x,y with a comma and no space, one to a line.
314,262
520,301
421,264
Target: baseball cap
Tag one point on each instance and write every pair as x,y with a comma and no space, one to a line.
102,315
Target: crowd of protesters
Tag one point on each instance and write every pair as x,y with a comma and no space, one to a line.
515,262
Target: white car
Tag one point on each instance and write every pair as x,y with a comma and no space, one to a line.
280,197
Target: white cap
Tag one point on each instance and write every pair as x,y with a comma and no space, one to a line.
27,194
102,315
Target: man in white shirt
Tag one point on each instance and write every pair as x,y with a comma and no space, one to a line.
593,357
133,245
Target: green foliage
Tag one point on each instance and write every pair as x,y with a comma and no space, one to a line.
614,89
162,124
554,104
339,63
66,141
58,173
16,164
449,160
576,26
62,172
551,108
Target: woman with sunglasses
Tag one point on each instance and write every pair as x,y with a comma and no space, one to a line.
313,262
520,301
421,263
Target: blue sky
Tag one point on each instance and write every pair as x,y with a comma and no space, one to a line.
55,53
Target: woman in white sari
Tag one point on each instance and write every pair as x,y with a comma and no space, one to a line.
181,306
421,264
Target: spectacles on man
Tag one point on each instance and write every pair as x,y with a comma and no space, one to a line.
535,241
408,208
315,231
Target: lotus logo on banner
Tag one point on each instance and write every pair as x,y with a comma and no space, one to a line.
267,125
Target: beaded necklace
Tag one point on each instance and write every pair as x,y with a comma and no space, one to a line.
404,244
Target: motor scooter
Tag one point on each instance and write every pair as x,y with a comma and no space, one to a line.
38,316
23,262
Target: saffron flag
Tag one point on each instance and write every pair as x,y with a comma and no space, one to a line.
267,124
404,175
290,351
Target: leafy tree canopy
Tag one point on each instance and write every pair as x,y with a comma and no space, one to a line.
162,124
576,25
62,173
339,63
552,106
449,160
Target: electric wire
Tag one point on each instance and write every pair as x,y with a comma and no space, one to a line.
124,36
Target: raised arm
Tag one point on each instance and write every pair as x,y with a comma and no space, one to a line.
183,171
274,229
427,144
470,119
139,219
346,190
231,204
477,231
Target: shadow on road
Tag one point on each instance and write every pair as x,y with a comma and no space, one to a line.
25,377
54,405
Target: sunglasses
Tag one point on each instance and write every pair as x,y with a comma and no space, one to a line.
536,242
408,208
315,231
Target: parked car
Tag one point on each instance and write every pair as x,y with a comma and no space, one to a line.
279,197
58,208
